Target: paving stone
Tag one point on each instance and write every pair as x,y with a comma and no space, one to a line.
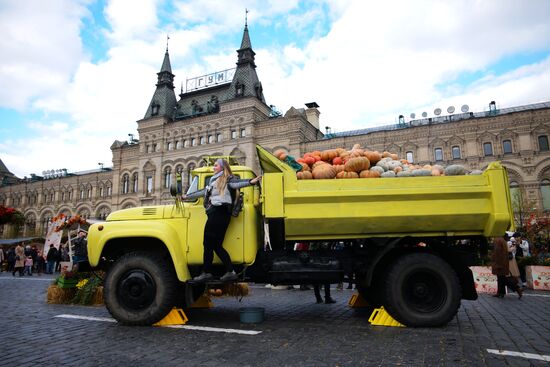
296,332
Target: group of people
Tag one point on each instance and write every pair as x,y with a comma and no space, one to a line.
26,260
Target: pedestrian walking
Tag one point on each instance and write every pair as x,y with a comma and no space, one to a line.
19,260
500,266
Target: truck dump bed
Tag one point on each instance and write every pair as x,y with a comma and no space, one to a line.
471,205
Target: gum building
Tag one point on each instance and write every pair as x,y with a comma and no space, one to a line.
225,113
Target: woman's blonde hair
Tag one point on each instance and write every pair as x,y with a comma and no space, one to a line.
221,182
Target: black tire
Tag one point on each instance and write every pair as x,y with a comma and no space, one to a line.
140,289
372,294
422,290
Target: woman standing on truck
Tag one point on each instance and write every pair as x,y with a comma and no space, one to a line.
218,203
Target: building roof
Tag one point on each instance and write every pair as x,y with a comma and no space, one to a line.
441,120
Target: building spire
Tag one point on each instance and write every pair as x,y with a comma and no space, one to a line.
246,38
164,99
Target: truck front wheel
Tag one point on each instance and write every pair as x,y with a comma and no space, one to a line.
140,289
422,290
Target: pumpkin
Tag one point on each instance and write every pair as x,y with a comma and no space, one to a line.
476,172
328,155
338,167
316,164
356,153
386,154
388,174
304,175
422,172
356,146
436,172
345,174
398,169
357,164
378,169
305,167
373,157
455,170
279,153
323,171
308,159
407,173
369,174
394,156
337,161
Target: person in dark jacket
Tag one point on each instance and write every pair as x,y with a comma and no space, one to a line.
217,202
51,258
80,249
501,268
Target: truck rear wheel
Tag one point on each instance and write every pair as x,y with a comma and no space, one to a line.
140,289
422,290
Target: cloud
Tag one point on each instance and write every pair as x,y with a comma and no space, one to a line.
40,47
371,62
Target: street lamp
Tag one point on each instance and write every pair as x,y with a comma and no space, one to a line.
100,166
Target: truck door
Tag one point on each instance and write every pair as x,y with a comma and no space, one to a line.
233,242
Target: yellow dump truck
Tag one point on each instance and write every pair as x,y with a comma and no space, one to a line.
405,242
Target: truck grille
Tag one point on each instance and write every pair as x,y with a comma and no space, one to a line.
149,211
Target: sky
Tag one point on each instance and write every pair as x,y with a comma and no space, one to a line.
76,75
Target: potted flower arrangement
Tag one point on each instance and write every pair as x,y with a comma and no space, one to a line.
67,279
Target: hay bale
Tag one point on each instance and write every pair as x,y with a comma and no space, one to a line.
97,298
236,289
58,295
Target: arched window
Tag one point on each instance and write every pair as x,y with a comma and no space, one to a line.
135,182
487,149
456,152
170,146
507,146
125,183
543,143
178,144
438,154
545,193
167,177
516,195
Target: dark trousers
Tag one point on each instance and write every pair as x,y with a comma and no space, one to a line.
503,281
317,291
214,233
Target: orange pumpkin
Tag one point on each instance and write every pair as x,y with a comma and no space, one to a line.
345,174
318,164
394,156
369,174
374,157
304,175
328,155
386,154
323,171
308,159
357,164
338,167
280,154
305,167
337,161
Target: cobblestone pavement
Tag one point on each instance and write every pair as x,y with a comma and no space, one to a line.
296,332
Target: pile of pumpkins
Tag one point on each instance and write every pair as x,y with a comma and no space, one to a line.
363,163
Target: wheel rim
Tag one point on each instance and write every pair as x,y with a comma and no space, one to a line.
424,291
136,289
